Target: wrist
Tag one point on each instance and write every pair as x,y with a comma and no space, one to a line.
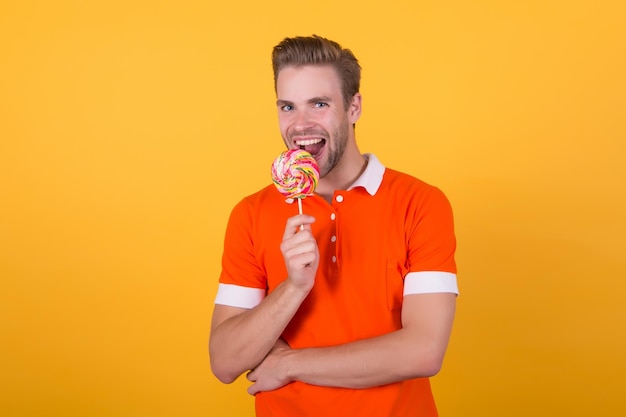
289,365
297,290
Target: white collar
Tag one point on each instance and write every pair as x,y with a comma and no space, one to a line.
372,176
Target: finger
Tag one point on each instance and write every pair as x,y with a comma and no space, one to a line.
301,263
297,224
252,389
293,224
298,248
250,376
301,242
298,258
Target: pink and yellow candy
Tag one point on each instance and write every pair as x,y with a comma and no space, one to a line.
295,173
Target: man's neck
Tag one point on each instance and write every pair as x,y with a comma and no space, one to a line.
342,176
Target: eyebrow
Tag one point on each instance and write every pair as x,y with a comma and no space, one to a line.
313,100
318,99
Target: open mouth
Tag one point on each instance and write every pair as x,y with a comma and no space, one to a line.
312,146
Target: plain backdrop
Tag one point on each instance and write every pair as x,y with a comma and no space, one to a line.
129,129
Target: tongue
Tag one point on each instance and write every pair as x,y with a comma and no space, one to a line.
314,149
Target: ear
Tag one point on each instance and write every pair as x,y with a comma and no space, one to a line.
354,109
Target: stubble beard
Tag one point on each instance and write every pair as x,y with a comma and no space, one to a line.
335,148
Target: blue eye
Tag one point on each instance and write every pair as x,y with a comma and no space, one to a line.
286,107
321,104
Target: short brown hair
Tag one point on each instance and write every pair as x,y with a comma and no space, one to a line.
315,50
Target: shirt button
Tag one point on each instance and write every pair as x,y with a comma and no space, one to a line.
332,216
334,258
333,239
339,198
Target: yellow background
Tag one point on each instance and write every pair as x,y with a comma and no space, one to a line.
129,129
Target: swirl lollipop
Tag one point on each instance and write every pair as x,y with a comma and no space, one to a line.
295,174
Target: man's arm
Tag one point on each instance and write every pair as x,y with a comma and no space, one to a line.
415,350
241,338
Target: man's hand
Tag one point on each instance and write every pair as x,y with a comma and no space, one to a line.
271,374
300,251
242,338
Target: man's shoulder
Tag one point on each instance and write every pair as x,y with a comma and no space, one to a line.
265,194
267,198
394,180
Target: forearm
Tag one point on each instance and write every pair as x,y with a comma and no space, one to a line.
378,361
239,343
415,350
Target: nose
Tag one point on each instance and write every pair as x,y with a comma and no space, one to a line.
302,120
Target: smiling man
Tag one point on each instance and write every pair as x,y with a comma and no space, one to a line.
352,314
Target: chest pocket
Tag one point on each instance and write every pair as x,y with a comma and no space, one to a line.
394,277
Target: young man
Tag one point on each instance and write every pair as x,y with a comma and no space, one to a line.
352,314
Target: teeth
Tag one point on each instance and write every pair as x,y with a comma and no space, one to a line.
308,142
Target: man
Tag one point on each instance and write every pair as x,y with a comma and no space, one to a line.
352,314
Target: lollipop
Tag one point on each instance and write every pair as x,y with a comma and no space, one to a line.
295,174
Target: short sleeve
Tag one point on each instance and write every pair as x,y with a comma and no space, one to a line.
431,246
242,281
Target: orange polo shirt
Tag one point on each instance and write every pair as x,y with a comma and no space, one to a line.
388,235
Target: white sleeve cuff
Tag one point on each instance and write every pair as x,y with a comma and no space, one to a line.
425,282
238,296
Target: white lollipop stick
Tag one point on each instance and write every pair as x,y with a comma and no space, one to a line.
300,210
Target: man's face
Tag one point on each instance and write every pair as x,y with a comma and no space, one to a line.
311,113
